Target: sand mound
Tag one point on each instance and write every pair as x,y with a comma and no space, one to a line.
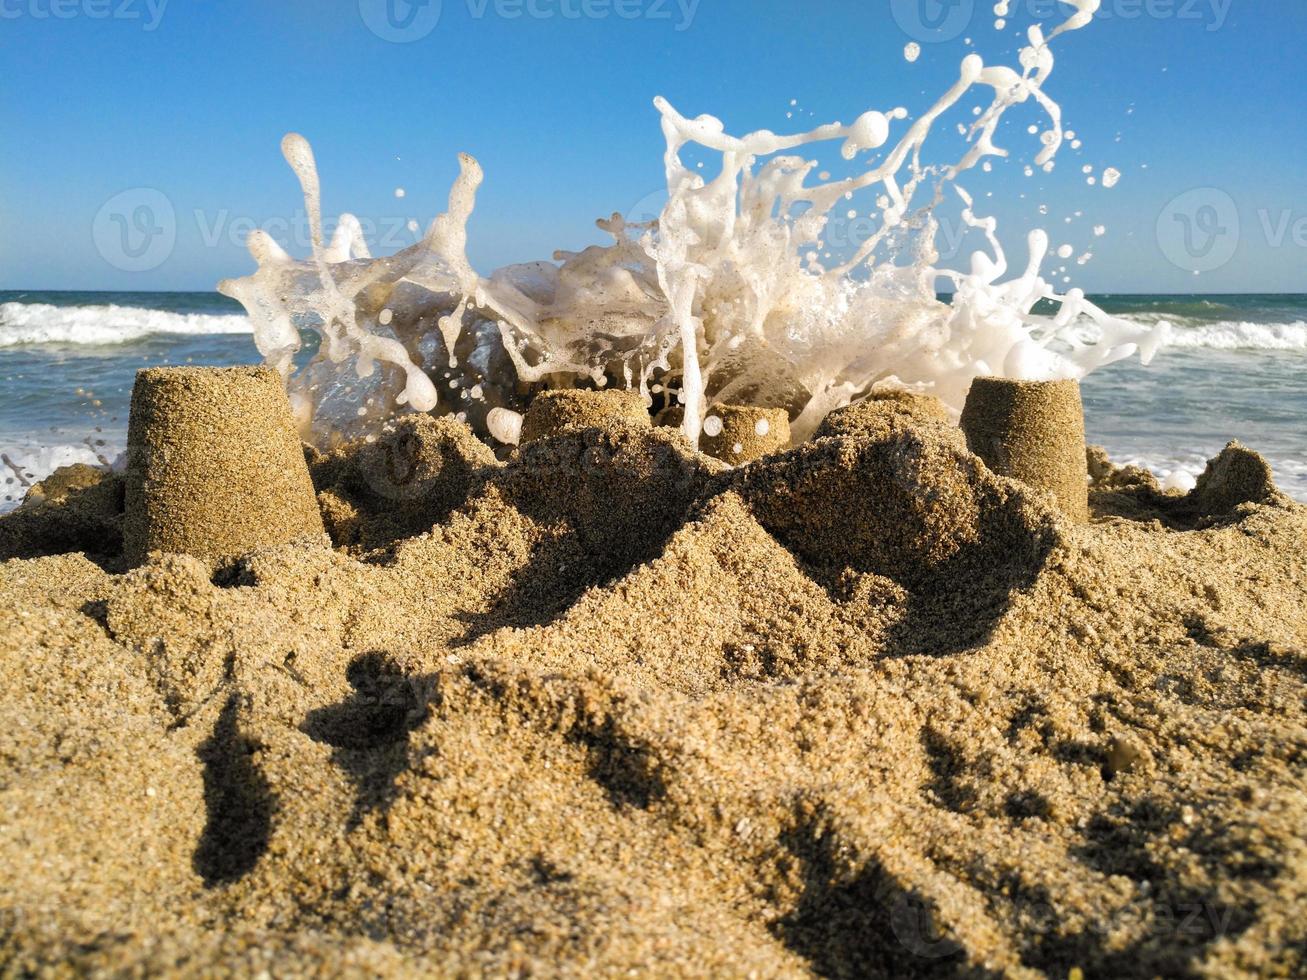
861,708
403,483
890,410
1237,477
81,510
554,413
910,506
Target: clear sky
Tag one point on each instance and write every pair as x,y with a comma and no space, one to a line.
179,105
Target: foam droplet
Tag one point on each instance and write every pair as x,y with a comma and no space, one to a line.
1179,480
505,425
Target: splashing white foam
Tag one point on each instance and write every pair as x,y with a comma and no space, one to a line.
723,298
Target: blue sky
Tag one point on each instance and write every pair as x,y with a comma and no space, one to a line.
189,99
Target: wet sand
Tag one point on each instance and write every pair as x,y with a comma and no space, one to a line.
861,708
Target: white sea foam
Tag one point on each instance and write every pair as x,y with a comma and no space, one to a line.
23,463
729,295
41,323
1182,468
1231,335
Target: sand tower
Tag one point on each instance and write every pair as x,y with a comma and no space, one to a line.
739,434
555,412
1032,431
215,466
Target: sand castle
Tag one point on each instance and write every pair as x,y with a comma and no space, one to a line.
555,412
215,466
891,410
738,434
859,708
1032,431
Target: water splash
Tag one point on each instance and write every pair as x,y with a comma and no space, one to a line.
722,298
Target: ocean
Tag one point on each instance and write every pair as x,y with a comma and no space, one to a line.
1235,369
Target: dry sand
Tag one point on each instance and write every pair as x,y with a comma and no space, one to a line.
1032,431
858,709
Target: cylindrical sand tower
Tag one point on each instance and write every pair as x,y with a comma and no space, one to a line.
739,434
555,412
215,466
1032,431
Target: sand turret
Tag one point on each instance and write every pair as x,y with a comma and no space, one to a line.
1032,431
739,434
215,466
554,412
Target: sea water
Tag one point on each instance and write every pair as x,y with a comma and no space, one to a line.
1233,370
730,295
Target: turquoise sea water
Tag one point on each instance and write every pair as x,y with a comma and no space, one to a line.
1237,369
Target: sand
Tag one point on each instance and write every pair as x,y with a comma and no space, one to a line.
738,434
214,465
1033,431
861,708
555,412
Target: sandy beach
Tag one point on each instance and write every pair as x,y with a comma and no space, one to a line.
584,489
859,708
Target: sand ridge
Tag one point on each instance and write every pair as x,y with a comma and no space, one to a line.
861,708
